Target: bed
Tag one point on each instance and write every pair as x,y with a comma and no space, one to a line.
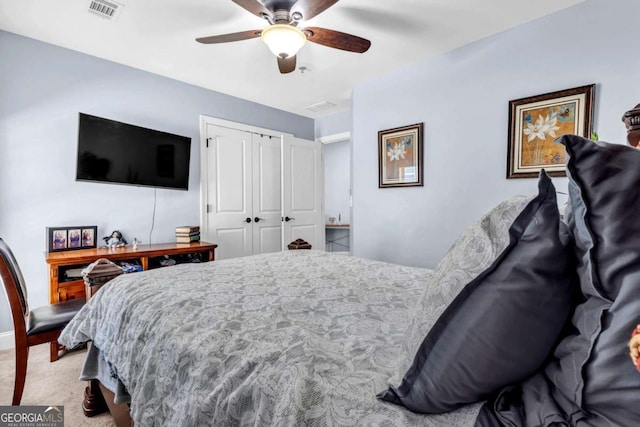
291,338
524,322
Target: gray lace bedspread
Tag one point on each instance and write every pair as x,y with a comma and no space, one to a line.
284,339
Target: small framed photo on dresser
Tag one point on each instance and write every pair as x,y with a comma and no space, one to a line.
71,238
89,237
74,238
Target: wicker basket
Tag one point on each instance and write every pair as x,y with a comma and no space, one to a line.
100,272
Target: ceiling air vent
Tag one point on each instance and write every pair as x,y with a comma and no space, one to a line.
105,9
321,106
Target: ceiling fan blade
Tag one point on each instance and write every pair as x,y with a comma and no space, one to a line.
337,40
253,6
311,8
232,37
287,65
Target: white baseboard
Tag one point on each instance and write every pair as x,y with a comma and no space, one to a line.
6,340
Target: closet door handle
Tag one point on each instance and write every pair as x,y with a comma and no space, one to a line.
248,220
256,219
287,218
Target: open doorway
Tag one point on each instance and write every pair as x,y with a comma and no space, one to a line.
337,195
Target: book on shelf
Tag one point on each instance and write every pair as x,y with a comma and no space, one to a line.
188,229
188,239
181,234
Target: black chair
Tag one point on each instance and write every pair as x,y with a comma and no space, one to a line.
32,327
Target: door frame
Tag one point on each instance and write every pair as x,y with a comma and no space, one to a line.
204,166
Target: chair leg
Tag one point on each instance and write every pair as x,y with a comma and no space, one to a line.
53,351
22,354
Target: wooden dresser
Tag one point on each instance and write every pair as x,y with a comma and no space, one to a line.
66,283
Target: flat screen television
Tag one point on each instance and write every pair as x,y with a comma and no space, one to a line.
116,152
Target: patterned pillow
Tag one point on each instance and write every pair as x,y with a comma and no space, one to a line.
493,309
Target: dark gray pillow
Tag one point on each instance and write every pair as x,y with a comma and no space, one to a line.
591,368
503,324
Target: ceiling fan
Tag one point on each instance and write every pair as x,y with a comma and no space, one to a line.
283,37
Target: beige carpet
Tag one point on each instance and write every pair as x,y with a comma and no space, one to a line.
51,384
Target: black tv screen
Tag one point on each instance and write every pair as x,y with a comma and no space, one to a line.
116,152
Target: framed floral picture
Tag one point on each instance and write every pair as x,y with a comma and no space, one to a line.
400,156
534,124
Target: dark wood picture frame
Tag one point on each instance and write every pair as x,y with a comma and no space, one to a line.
400,157
536,121
71,238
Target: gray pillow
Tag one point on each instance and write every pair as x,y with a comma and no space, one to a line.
591,368
512,280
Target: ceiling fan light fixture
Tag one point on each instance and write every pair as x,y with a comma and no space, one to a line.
283,40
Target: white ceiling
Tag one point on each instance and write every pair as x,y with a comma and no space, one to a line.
158,36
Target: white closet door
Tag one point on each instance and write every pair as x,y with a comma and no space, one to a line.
302,192
267,203
229,187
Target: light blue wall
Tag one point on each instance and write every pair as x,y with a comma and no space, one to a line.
462,98
333,124
42,89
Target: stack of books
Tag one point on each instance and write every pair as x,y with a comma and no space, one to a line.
187,234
